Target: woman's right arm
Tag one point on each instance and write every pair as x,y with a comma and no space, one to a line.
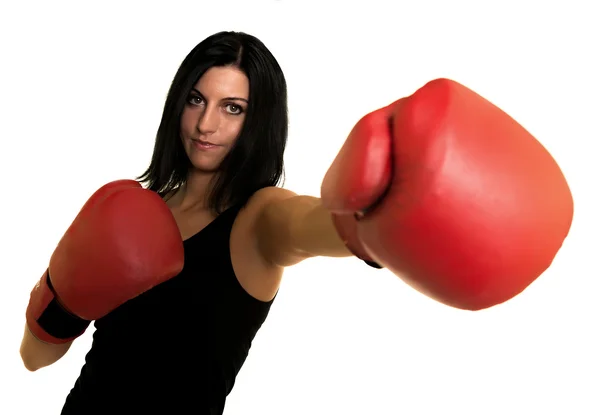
49,328
37,354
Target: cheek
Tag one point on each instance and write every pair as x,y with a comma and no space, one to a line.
234,128
187,123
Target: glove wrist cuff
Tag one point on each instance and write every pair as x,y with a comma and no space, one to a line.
347,230
47,319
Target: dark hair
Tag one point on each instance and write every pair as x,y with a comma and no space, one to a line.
256,159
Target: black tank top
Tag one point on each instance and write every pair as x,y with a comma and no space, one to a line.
177,348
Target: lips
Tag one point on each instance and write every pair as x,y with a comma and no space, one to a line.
201,145
204,143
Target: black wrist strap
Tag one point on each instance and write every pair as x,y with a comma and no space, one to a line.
373,264
57,321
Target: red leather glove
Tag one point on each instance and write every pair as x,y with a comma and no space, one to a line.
452,195
123,242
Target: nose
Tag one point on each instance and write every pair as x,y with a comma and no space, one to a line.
208,121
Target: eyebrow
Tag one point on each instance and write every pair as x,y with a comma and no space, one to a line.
224,99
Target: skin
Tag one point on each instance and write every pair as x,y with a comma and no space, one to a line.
276,229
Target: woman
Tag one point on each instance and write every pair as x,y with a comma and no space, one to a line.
428,173
217,160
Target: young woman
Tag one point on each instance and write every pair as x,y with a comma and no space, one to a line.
217,161
455,198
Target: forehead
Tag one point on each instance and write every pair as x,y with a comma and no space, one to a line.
223,82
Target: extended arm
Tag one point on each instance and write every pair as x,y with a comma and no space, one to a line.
291,228
298,227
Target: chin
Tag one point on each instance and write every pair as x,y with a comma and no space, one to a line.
205,164
204,167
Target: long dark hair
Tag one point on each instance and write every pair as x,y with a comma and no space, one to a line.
256,159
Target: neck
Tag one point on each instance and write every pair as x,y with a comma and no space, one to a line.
193,195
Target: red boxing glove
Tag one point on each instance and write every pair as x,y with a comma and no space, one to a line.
451,194
123,242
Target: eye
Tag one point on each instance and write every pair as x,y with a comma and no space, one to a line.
195,100
234,109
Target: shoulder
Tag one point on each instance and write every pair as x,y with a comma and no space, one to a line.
269,211
266,195
251,217
258,204
258,277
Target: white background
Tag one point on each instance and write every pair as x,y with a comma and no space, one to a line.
81,95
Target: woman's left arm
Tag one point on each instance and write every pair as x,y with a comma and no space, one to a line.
291,228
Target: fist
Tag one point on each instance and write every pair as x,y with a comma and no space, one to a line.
452,195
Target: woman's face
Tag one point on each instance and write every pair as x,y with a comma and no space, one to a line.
213,116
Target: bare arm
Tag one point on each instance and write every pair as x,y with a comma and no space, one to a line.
291,228
37,354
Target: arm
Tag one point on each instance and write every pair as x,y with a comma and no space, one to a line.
46,318
37,354
291,228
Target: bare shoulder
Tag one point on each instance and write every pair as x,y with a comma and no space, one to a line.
258,277
267,195
259,203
